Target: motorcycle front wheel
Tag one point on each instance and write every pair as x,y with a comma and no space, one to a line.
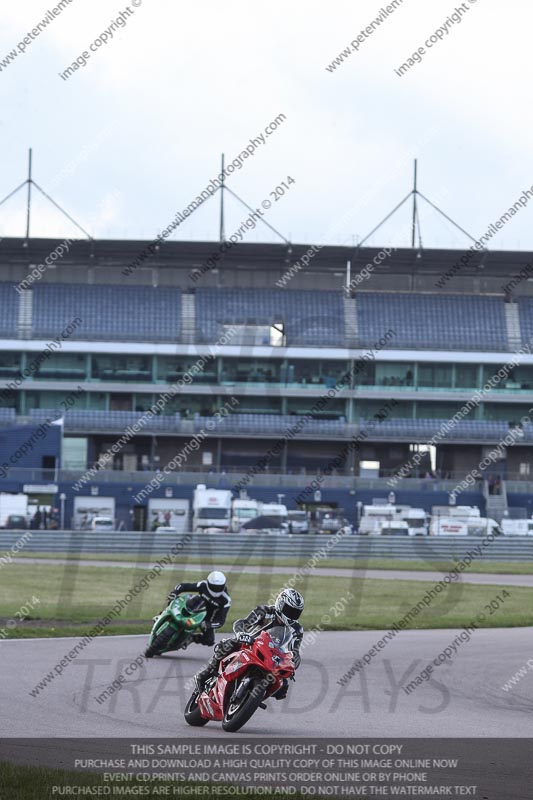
161,643
238,714
192,712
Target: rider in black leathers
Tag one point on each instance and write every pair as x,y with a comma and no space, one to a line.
285,611
217,601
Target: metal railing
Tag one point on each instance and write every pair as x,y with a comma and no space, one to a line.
227,477
199,548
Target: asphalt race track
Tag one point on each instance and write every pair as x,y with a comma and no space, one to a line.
463,699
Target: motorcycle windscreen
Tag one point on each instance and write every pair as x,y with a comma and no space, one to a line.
281,636
175,608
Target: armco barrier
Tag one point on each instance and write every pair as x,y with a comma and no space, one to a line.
284,546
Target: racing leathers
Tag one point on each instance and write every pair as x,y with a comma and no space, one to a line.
259,619
217,606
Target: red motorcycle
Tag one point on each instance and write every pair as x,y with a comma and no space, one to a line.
245,679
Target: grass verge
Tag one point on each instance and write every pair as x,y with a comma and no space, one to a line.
37,783
73,598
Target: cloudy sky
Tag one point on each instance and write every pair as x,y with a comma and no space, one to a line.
134,135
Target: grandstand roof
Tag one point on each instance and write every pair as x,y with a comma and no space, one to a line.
183,255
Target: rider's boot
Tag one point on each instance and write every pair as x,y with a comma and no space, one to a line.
207,672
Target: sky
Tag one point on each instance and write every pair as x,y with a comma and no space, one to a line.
134,135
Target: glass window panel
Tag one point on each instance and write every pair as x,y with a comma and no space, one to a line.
521,377
74,452
246,370
394,374
142,402
309,372
96,401
439,410
171,368
505,412
259,405
56,366
334,408
435,376
466,376
52,400
124,367
10,364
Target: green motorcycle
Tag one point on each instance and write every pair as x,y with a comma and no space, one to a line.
176,625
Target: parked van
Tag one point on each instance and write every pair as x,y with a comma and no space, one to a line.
517,527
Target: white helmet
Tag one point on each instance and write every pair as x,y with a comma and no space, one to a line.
289,605
216,582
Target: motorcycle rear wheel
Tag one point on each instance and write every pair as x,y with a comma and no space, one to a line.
160,643
192,712
235,719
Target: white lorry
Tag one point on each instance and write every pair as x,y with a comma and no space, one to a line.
242,510
416,520
274,510
211,509
393,519
396,527
12,505
375,516
448,526
517,527
469,526
462,512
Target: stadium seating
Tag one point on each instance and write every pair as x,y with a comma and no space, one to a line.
309,317
107,312
525,308
271,424
7,416
432,321
424,429
8,310
39,415
312,318
91,420
275,425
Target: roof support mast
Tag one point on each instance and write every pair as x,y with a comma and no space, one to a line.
28,202
414,207
416,216
30,182
222,235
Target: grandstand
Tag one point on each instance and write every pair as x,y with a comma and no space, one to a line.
396,337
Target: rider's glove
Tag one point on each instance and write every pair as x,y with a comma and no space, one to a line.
245,638
222,648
